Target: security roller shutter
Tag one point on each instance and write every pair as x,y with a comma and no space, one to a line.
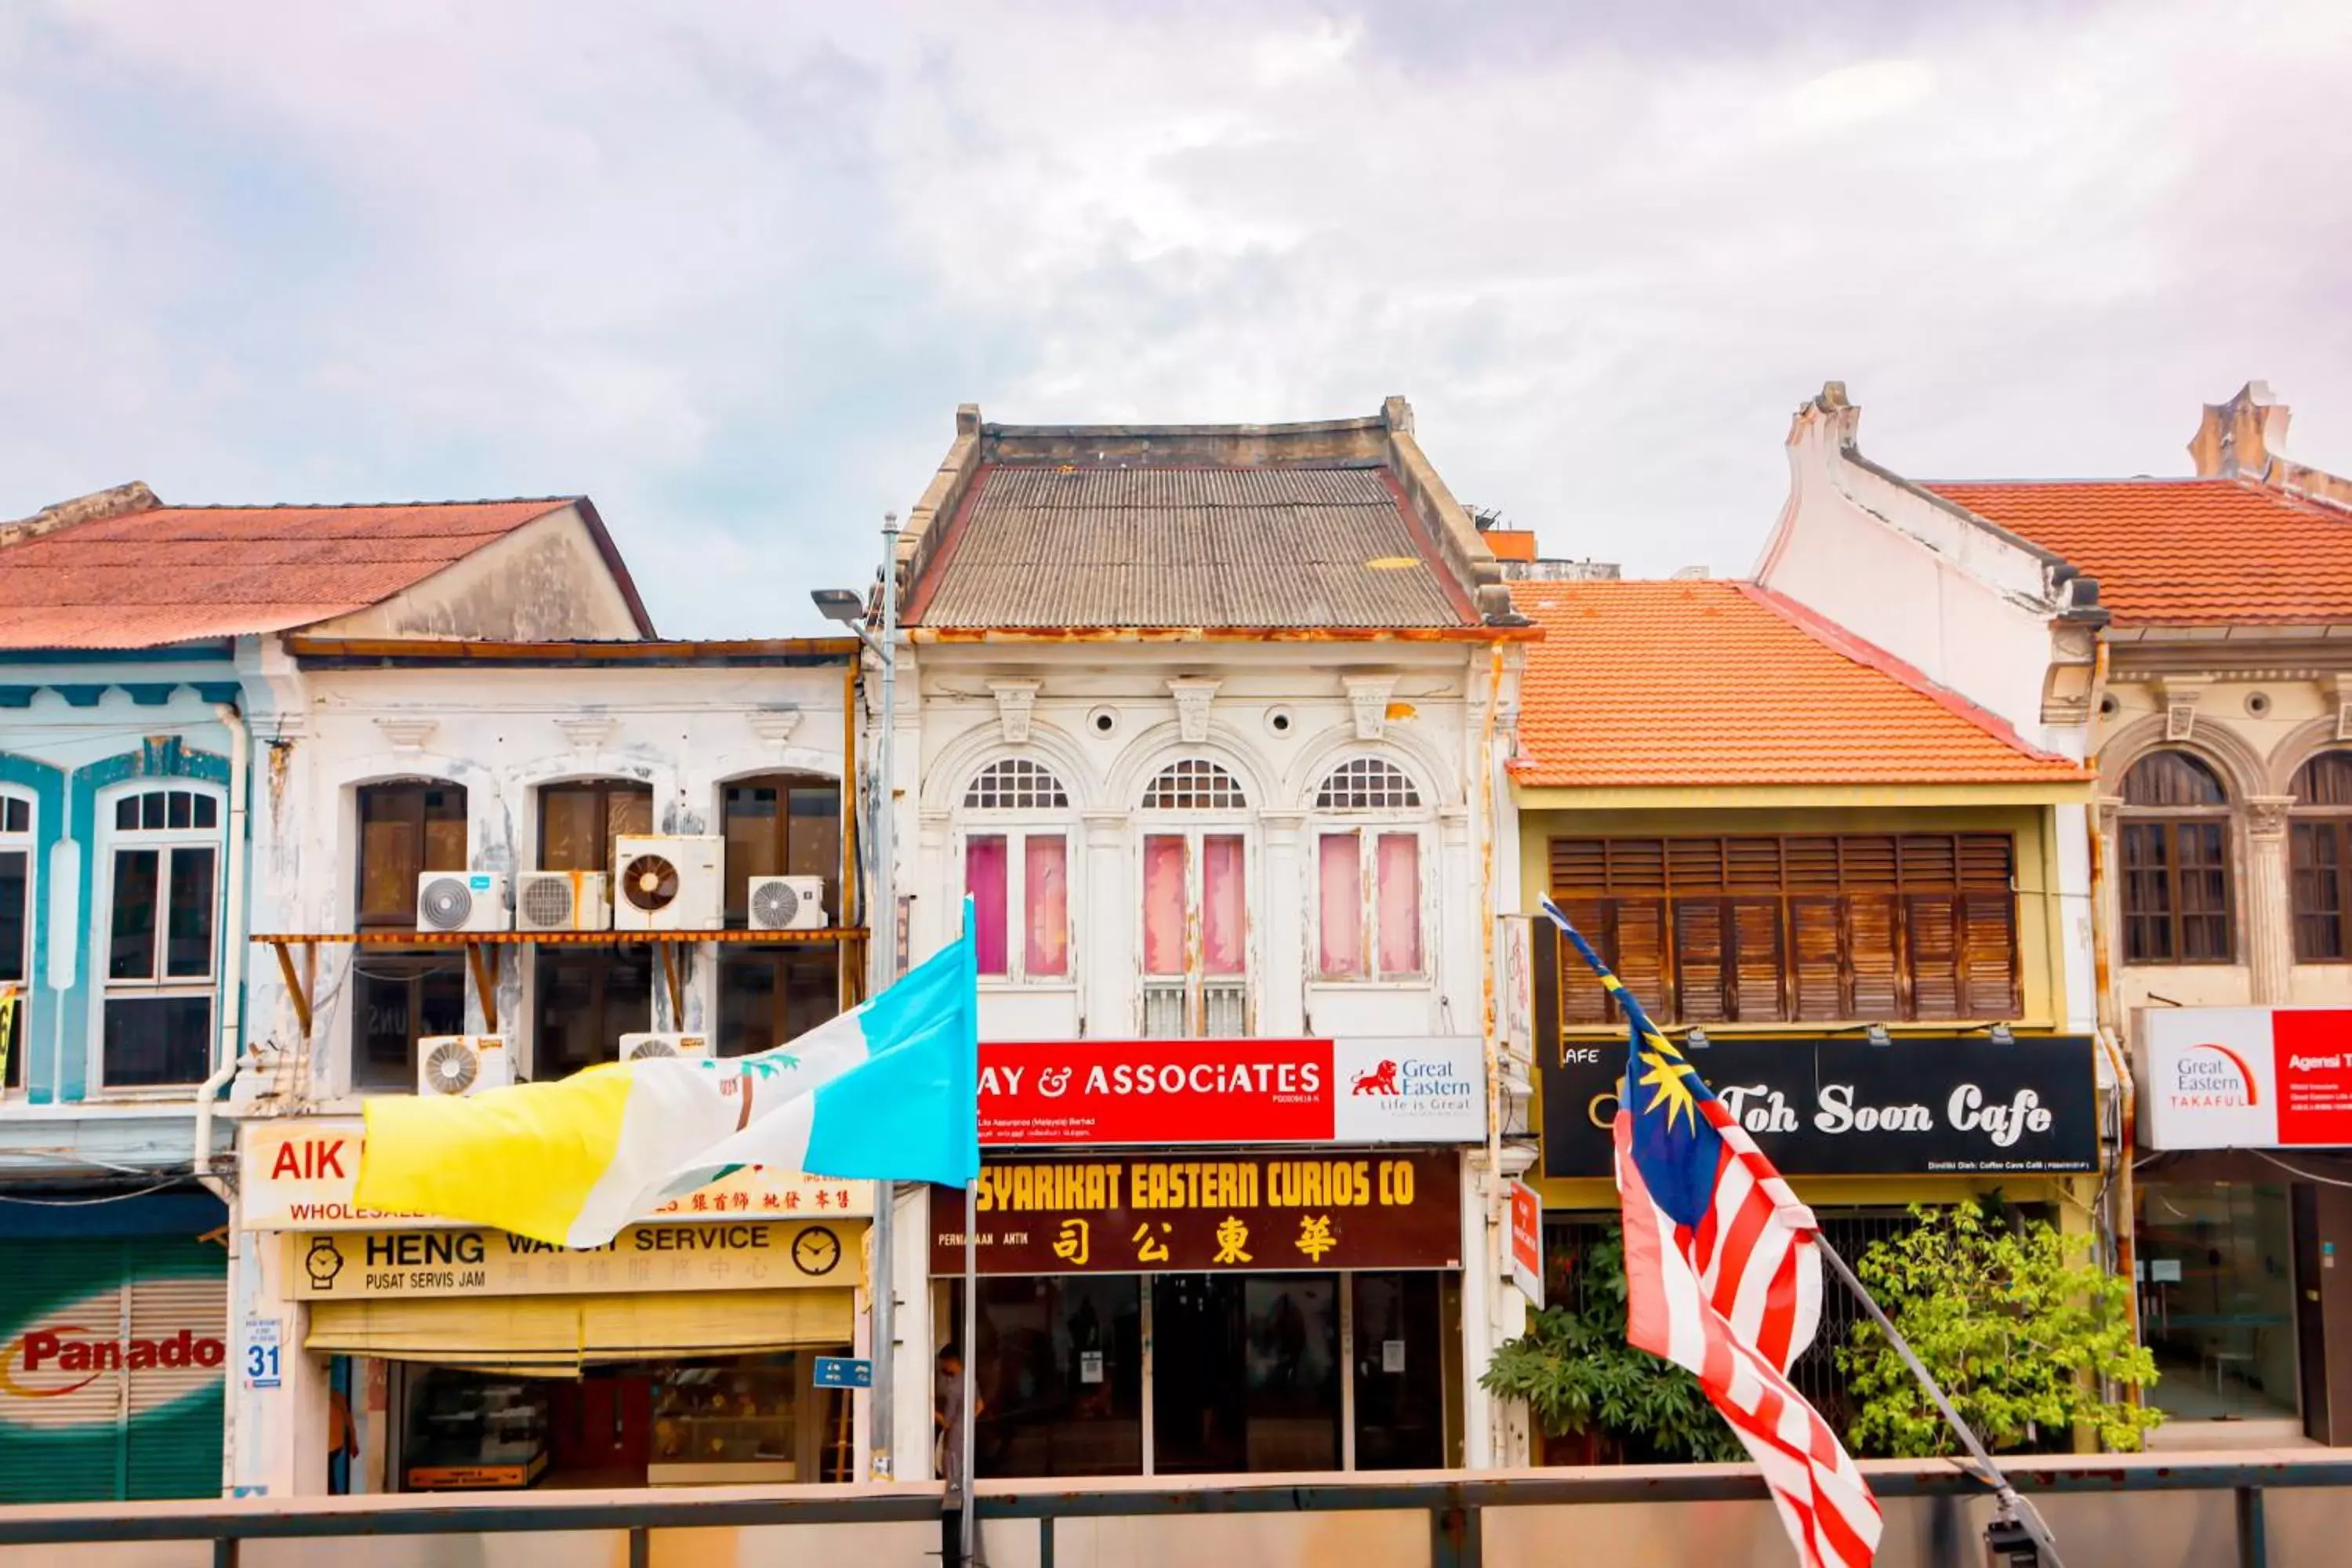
555,1336
174,1436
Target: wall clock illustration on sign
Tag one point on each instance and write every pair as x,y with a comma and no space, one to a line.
816,1250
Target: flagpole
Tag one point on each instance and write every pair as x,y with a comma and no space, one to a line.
971,1367
2011,1505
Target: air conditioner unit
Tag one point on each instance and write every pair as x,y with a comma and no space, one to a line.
461,900
462,1064
667,883
787,903
645,1047
563,901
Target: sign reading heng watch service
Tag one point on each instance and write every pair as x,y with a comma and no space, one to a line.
746,1256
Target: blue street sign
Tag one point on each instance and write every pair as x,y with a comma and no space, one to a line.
841,1372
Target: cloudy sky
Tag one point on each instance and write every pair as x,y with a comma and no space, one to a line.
729,268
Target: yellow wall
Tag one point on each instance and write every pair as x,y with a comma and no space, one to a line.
2040,951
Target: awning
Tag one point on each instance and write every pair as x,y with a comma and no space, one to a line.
555,1336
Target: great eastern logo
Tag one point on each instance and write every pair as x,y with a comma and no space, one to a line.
1382,1079
2212,1076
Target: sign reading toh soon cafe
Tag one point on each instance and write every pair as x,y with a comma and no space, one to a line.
1958,1104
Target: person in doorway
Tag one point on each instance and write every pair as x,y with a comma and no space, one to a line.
948,1415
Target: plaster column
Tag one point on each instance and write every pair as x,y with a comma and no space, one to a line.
2270,930
1107,948
1282,981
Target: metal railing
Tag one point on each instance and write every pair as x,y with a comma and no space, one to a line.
1455,1506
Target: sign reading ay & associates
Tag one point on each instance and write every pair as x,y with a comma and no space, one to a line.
1839,1106
747,1255
1251,1214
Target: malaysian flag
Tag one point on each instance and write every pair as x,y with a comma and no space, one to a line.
1722,1277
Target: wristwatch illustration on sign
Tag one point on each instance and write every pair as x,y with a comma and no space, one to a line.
816,1250
322,1263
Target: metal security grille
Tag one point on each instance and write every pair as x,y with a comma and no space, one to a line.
1367,784
1015,784
1194,785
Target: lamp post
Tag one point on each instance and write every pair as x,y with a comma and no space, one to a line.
847,606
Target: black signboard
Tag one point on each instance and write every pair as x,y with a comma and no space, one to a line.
1943,1105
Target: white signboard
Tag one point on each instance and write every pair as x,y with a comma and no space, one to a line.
298,1174
2244,1077
260,1366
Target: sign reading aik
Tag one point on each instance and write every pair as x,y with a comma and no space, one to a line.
753,1255
1262,1212
1404,1090
297,1174
1963,1104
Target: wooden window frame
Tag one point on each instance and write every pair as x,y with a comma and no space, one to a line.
1808,928
20,841
2314,822
2163,879
404,919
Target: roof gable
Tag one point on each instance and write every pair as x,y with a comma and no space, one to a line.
1716,683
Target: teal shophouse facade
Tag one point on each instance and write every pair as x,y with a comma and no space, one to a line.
117,857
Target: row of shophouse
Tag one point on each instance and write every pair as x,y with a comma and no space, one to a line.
1988,838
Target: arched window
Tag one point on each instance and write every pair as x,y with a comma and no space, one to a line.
1194,785
1368,874
2175,862
1195,903
162,891
1016,869
15,930
2319,834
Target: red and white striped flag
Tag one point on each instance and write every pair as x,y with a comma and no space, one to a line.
1723,1277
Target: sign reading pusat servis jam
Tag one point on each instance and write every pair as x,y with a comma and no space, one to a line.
298,1174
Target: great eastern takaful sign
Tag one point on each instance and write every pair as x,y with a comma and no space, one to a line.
2244,1077
1408,1089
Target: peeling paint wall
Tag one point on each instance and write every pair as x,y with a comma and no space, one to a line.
544,581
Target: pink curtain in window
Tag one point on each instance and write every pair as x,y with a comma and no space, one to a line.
1046,894
1397,866
1224,917
983,878
1339,904
1163,905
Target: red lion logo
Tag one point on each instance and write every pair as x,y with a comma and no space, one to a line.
1382,1079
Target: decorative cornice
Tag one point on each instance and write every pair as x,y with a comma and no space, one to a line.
1016,699
406,733
1193,694
589,732
1368,695
774,726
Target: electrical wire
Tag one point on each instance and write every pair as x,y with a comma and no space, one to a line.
86,1203
2305,1175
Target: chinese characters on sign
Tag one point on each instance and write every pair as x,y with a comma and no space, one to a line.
1259,1212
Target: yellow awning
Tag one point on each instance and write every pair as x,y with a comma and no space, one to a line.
555,1336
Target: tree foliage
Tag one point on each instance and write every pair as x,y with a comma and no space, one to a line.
1578,1376
2014,1320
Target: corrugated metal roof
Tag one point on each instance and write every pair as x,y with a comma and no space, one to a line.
179,573
1216,547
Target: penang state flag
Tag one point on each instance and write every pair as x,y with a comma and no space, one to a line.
1721,1277
888,1091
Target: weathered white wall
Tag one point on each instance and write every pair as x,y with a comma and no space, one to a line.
546,580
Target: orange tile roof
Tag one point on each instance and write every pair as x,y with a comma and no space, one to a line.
2184,552
1718,683
174,573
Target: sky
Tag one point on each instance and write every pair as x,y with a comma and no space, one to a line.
729,268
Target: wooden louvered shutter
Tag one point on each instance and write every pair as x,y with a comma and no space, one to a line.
1987,956
1867,872
1818,982
1581,999
1757,964
1641,956
1932,922
1699,961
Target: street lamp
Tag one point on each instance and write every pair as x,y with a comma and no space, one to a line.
847,607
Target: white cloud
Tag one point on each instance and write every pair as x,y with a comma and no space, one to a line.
730,268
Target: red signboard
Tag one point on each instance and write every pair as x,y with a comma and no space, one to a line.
2311,1051
1526,1242
1427,1091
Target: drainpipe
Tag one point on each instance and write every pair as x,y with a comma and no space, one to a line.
1490,777
2122,1204
232,987
232,1023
